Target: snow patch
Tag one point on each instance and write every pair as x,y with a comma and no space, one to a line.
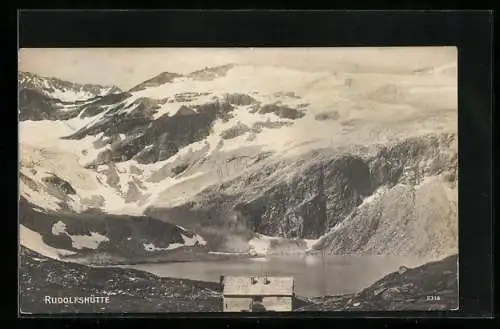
34,241
310,243
70,95
59,228
91,241
188,242
260,245
226,253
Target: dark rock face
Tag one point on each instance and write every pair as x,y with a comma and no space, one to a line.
215,221
327,193
347,181
392,161
150,140
235,131
313,201
60,184
324,116
158,80
112,177
305,206
124,235
186,97
49,85
184,110
168,134
431,287
28,181
289,94
33,105
240,99
179,169
52,185
99,105
258,126
211,73
115,122
293,215
282,111
128,291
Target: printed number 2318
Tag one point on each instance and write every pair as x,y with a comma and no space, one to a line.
433,298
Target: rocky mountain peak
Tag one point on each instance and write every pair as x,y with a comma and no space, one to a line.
158,80
210,73
63,90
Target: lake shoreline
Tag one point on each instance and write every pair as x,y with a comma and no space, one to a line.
314,275
103,259
137,291
186,255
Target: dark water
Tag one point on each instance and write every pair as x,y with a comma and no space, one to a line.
314,275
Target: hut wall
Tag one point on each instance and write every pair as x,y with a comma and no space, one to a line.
237,304
277,304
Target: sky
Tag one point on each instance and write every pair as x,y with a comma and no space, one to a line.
127,67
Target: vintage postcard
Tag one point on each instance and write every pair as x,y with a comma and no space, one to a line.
237,179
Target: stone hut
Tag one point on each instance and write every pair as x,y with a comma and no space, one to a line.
257,293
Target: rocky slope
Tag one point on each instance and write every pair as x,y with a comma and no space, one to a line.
44,98
401,200
268,157
129,291
99,238
64,91
135,291
431,287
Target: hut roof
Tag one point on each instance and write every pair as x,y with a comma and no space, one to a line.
248,285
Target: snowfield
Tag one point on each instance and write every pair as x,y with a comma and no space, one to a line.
72,96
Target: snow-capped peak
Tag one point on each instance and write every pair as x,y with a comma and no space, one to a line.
64,90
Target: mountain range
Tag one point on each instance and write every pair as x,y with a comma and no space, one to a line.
239,158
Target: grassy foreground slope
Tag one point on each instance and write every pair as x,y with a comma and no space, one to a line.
128,290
